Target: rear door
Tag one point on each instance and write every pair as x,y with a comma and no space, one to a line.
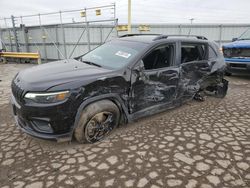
194,67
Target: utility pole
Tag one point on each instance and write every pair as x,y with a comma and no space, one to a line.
129,16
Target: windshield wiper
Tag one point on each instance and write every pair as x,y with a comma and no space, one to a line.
91,63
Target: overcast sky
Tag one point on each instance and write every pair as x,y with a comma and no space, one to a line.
143,11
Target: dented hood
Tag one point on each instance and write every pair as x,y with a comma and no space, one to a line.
42,77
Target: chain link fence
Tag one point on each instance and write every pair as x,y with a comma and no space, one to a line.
68,34
59,35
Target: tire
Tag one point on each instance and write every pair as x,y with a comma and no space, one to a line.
219,90
97,120
222,88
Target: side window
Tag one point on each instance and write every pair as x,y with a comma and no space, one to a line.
211,53
160,57
193,52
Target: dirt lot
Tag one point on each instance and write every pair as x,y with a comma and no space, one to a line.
201,144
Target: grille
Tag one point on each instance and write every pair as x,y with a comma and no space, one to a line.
17,91
236,52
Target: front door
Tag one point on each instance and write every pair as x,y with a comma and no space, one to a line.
154,79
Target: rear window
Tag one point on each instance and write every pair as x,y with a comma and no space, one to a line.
193,52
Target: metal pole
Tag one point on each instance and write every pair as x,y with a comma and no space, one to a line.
180,29
108,34
88,36
191,20
25,37
15,33
220,36
53,42
116,24
77,43
85,10
114,10
101,34
43,38
21,19
116,20
63,32
10,40
58,54
2,42
129,16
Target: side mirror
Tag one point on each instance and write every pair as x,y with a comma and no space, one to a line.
234,39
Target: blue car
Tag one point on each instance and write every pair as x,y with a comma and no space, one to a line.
237,54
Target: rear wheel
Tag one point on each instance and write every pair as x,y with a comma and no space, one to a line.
222,88
97,121
219,90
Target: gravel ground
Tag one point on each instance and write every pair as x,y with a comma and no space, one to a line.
200,144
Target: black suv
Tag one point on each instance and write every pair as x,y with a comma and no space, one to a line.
120,81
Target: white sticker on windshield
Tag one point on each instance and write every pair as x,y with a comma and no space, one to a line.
123,54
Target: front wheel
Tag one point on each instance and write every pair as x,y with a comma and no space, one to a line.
97,121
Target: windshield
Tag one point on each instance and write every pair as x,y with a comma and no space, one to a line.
114,54
245,35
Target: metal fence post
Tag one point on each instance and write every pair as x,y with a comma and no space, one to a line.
63,32
88,35
57,41
114,10
116,20
116,24
179,29
15,32
25,37
2,44
43,38
21,18
10,40
220,36
101,34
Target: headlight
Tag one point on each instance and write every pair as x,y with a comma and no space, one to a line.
47,97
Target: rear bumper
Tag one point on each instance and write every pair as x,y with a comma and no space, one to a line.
238,66
31,127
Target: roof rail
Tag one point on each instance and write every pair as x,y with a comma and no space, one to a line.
136,34
166,36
